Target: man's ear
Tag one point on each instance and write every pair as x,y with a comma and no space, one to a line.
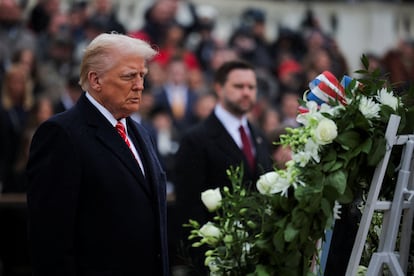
217,89
94,81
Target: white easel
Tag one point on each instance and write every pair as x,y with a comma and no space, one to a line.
397,212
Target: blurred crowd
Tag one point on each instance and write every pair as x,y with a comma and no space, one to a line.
41,48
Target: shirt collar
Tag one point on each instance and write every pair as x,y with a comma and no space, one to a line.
229,120
104,111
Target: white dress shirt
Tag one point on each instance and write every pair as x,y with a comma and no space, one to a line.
231,123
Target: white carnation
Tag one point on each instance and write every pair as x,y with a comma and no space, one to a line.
387,98
369,108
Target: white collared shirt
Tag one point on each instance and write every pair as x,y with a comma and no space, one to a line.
231,123
113,122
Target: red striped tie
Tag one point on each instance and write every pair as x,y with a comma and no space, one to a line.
247,148
121,130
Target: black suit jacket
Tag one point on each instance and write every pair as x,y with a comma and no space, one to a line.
205,153
91,211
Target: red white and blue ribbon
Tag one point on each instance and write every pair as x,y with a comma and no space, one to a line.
346,83
326,88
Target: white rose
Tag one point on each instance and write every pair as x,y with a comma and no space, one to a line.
211,199
272,183
325,132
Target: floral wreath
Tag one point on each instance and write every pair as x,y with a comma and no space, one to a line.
275,228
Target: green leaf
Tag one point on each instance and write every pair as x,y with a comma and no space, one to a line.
366,146
349,139
386,112
346,197
279,240
337,180
281,223
290,233
377,152
299,217
365,61
293,259
330,192
261,270
339,164
326,207
328,155
284,203
327,166
361,123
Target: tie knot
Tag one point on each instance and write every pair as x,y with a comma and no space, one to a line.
242,130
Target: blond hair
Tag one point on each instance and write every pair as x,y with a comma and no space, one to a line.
98,55
6,100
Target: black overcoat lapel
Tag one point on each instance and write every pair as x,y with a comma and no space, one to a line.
108,136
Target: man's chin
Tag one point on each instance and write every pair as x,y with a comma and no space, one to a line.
132,109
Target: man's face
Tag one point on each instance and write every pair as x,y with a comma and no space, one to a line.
238,94
122,85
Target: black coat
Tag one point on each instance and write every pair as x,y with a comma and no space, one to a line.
91,211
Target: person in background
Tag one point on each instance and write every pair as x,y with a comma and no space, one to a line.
53,74
269,121
172,45
78,16
289,108
399,62
3,149
41,15
14,36
96,189
57,29
16,101
69,96
204,105
41,110
104,10
289,74
166,137
206,41
175,95
215,145
157,18
26,57
250,40
280,153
